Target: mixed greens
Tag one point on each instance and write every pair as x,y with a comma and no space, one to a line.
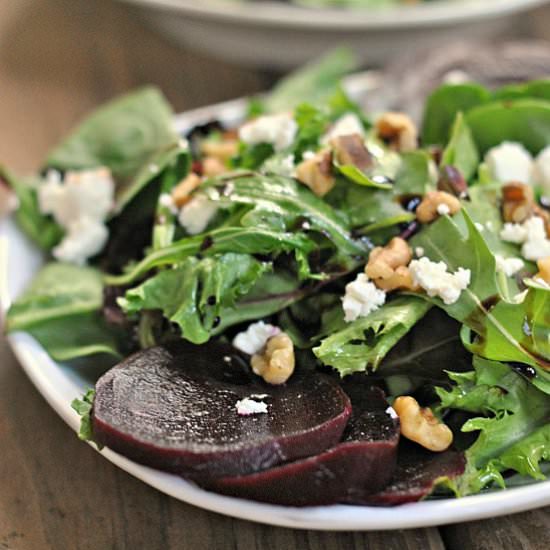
423,268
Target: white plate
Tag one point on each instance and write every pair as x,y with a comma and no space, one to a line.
278,35
59,385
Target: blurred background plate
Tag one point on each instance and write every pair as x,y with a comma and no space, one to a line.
278,35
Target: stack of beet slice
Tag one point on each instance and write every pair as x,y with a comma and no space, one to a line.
174,408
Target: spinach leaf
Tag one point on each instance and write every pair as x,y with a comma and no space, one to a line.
365,342
193,294
43,230
526,121
443,105
513,431
61,310
461,151
127,135
533,89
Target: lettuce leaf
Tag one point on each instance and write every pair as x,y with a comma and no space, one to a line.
497,331
61,309
193,294
84,407
366,341
514,431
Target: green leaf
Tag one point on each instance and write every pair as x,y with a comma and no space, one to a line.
461,151
443,105
517,332
61,310
126,135
526,121
41,229
416,175
355,175
533,89
312,123
315,82
84,408
513,433
193,294
366,341
498,330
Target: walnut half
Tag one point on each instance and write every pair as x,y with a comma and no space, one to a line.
276,363
421,426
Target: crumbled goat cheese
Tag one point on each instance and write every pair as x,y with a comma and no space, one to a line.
510,161
308,155
279,130
88,193
531,234
479,226
167,202
443,209
509,266
419,251
434,278
346,125
489,225
361,298
392,413
85,237
247,406
196,214
254,338
513,233
541,171
79,203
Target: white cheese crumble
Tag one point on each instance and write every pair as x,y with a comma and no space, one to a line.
254,338
196,214
392,413
509,266
361,298
479,226
279,130
84,238
443,209
434,278
531,234
167,202
419,251
247,406
510,161
346,125
308,155
79,203
541,170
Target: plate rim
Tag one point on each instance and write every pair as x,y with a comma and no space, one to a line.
271,14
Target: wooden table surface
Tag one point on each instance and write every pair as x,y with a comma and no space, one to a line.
58,59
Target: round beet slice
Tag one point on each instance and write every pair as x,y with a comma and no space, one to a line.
363,462
174,408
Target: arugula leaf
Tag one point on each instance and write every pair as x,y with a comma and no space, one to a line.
84,408
366,341
315,82
127,135
43,230
461,151
312,123
495,337
61,310
514,431
193,294
416,175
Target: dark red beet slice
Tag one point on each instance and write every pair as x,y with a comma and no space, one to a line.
174,409
364,461
415,476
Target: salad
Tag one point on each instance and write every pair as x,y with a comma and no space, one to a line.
319,305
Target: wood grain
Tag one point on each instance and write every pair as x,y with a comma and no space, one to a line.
59,59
